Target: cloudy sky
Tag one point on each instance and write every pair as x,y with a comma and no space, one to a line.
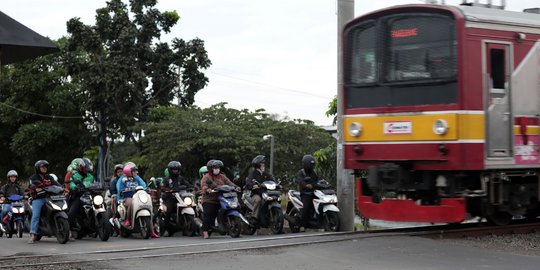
280,55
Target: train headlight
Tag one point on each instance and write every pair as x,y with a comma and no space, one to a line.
355,129
440,127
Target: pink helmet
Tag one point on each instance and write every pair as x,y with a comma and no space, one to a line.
128,170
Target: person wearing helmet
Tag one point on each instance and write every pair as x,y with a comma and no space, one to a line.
129,180
10,188
38,181
117,172
254,180
70,171
80,180
202,171
173,183
210,201
307,177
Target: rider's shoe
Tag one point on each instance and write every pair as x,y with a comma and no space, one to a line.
155,235
127,223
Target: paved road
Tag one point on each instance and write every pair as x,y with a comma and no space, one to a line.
379,253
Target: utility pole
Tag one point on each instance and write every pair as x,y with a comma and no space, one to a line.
345,181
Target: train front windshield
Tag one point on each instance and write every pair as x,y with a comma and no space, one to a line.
401,60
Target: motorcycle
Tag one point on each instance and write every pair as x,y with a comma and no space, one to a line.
94,217
15,217
183,217
270,213
53,220
141,214
229,219
326,212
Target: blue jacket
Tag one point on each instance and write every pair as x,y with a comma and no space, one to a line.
120,185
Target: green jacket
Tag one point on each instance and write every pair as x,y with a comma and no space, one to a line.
79,178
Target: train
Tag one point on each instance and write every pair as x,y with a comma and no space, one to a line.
441,112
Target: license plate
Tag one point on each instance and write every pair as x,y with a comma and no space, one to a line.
229,194
58,197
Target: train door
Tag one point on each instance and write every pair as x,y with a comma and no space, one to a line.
497,66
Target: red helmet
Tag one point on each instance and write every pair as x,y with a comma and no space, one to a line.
128,170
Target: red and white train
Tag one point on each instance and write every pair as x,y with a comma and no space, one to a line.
441,112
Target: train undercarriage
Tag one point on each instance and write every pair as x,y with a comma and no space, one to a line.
448,196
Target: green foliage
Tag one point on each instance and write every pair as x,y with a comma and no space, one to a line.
123,68
194,135
332,109
326,163
31,93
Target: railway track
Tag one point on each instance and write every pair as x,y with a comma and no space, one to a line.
217,245
248,244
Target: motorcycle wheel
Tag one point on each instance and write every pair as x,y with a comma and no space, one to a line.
331,221
62,230
20,228
249,229
295,226
125,233
146,225
235,226
163,225
276,223
104,229
189,225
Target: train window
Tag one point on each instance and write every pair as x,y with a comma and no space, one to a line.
420,48
497,68
362,61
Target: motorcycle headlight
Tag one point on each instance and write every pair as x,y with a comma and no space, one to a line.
143,197
234,205
15,210
64,206
98,200
188,200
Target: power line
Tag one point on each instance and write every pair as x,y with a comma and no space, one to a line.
272,86
42,115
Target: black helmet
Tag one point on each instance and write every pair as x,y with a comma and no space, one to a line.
118,167
256,162
217,163
209,164
174,165
40,163
308,162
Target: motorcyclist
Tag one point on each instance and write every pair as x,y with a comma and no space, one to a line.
307,178
171,183
118,172
10,188
129,180
254,181
70,171
81,179
38,181
210,200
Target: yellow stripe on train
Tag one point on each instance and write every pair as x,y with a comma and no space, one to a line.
415,127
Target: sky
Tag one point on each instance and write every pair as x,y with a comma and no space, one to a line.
280,55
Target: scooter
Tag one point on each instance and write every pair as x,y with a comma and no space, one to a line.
183,217
141,214
229,219
326,212
94,218
53,220
15,216
270,213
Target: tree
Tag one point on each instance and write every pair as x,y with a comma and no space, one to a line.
194,135
332,110
40,116
123,68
